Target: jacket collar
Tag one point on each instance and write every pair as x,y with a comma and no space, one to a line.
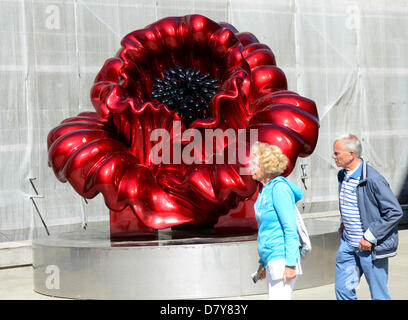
358,171
363,176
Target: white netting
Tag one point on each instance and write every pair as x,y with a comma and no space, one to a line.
350,57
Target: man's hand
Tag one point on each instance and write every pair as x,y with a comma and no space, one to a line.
341,229
365,245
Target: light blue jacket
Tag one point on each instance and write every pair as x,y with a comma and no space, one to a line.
276,216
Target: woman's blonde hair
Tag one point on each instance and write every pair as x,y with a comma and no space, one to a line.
271,158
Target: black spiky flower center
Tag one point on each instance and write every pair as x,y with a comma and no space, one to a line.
186,91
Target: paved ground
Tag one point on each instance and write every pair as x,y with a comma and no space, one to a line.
17,283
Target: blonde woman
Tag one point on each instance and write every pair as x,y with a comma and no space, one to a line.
278,240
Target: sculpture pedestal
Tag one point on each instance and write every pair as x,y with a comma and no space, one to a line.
175,265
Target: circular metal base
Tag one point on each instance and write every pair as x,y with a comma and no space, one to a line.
175,265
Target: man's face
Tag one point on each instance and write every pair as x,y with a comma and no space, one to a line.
342,157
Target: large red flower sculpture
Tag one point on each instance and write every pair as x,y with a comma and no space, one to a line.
204,75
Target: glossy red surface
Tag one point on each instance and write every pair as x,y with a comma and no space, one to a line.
109,151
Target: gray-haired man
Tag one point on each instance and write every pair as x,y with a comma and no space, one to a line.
369,223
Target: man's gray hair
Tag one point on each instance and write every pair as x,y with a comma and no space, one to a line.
352,143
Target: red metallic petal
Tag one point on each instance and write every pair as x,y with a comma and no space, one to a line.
290,144
136,123
66,145
260,57
285,97
229,106
228,26
109,71
67,127
293,119
287,120
87,159
253,47
267,79
125,183
246,38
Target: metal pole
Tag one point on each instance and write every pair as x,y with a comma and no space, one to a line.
84,222
38,211
35,205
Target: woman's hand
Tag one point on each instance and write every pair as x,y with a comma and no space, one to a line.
261,272
289,273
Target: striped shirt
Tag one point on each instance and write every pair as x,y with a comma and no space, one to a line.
350,214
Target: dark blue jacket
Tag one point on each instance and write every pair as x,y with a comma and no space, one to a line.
380,210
